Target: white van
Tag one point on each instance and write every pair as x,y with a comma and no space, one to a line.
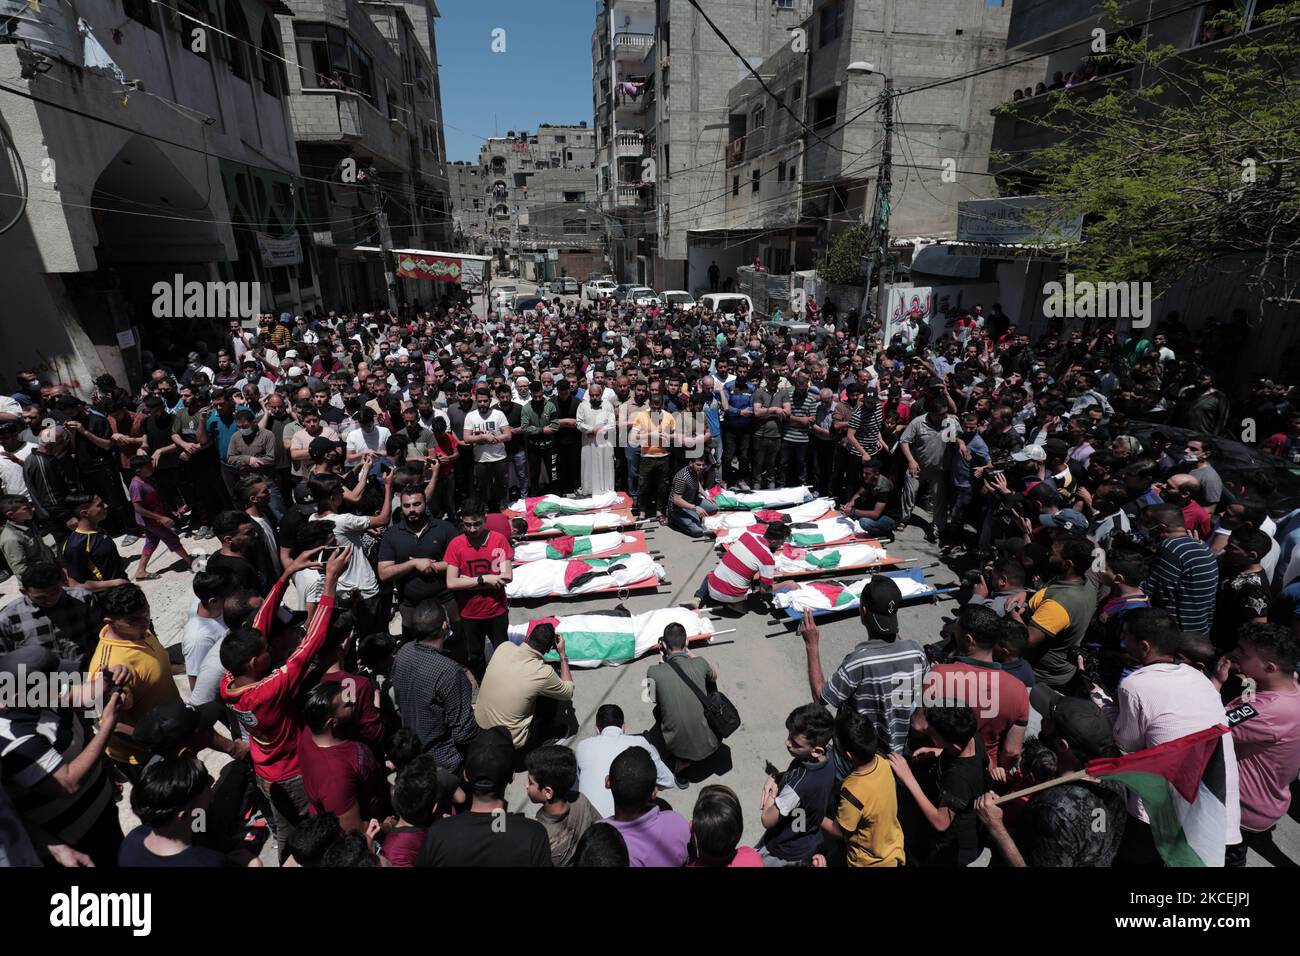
728,303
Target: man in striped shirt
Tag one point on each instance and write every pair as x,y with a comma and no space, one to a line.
52,765
800,405
746,561
881,677
1184,577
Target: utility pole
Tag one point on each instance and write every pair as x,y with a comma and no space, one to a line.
884,180
385,241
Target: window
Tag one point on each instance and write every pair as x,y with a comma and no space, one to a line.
831,23
559,139
141,11
363,80
390,99
575,227
758,118
273,81
568,155
796,92
753,181
238,44
575,197
825,109
426,137
780,171
478,204
735,185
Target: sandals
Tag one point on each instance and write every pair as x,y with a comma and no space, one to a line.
151,576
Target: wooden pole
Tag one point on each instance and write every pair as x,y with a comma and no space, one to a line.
1065,778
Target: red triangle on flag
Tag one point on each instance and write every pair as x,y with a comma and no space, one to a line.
563,545
574,570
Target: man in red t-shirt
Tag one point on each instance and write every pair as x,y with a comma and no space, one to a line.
339,775
975,680
1183,490
263,700
478,570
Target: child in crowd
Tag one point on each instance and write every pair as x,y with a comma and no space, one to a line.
717,825
553,782
154,516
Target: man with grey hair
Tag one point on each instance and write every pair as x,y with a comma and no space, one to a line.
51,478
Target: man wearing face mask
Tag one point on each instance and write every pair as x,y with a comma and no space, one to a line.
456,413
275,419
252,450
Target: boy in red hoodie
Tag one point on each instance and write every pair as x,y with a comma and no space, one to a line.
263,699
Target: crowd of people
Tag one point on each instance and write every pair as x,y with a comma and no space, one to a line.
1126,581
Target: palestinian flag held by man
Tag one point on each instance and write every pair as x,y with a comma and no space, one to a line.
1183,786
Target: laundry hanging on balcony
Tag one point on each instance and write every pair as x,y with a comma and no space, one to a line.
630,89
94,54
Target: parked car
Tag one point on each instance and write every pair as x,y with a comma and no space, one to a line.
526,303
621,290
677,299
504,293
565,285
598,289
728,303
642,296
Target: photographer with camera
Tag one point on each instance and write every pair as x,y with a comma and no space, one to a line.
998,586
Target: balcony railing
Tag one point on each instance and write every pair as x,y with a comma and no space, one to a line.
629,144
628,42
627,197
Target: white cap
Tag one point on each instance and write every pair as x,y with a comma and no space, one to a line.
295,372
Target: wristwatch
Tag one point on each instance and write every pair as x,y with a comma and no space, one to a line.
480,580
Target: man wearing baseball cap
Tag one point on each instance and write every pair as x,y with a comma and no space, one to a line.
881,677
1080,823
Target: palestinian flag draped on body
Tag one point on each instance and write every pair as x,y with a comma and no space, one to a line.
557,505
593,640
755,500
568,546
1183,786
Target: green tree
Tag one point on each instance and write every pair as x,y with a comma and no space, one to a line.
840,262
1182,163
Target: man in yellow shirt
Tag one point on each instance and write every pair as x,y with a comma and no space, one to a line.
866,817
654,431
127,640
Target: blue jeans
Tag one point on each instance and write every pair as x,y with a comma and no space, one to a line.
689,522
633,469
517,472
882,525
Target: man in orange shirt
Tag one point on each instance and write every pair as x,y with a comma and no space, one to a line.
654,431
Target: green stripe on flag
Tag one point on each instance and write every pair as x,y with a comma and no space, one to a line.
1166,829
580,546
829,560
556,508
574,529
597,646
808,538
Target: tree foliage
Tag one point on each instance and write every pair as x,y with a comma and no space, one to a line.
840,263
1182,162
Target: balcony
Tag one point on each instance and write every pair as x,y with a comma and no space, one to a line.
632,44
629,144
626,197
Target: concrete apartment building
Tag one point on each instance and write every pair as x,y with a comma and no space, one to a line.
366,106
660,79
163,153
530,202
790,190
1048,27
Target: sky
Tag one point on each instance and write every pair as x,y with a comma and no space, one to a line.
542,76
